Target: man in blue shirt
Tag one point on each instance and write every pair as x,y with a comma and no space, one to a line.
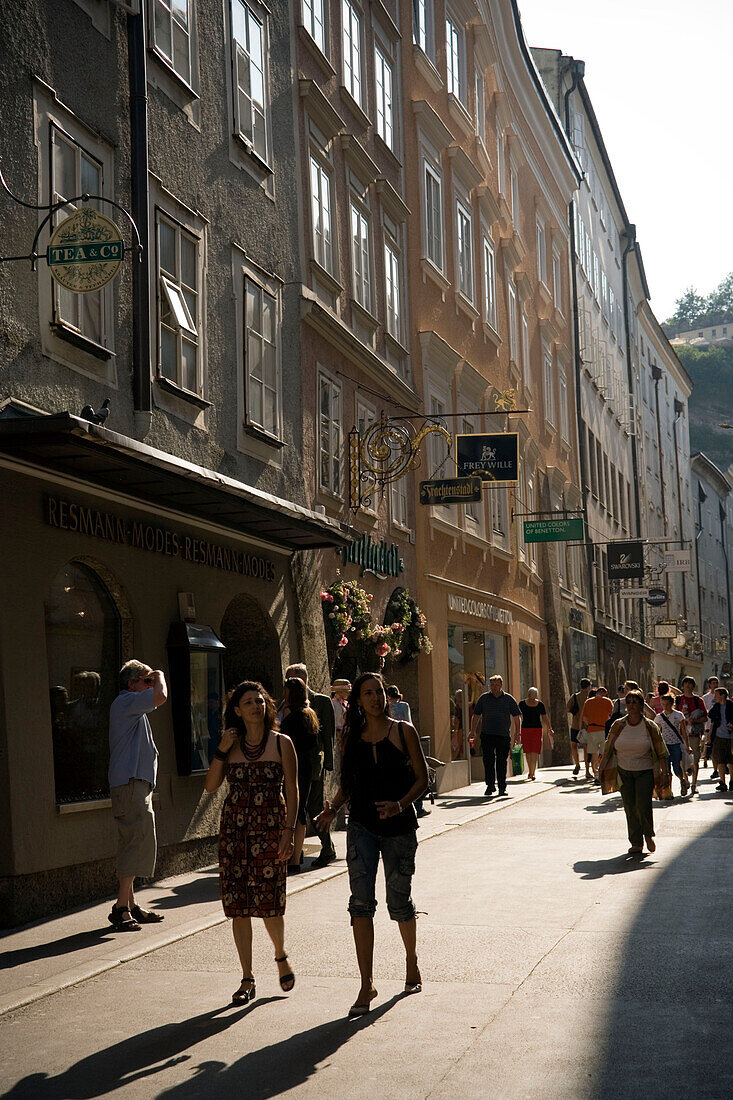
721,722
500,717
133,767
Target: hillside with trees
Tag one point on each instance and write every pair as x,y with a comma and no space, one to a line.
711,402
693,309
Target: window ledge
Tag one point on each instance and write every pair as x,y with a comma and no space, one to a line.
82,807
264,436
354,107
543,292
387,151
550,427
178,80
316,52
500,551
474,538
331,497
185,395
466,306
247,147
460,114
91,347
430,271
439,523
492,335
427,69
324,276
395,344
365,315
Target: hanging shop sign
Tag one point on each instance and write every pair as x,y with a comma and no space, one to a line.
377,558
456,490
85,251
553,530
479,610
67,515
625,561
677,561
493,458
666,629
656,597
633,593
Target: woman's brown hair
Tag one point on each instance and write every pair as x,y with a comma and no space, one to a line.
636,696
232,719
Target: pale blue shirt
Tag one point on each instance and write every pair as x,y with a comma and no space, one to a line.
132,751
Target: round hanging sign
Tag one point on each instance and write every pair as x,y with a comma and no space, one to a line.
657,597
85,251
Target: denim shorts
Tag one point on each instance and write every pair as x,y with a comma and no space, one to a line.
362,856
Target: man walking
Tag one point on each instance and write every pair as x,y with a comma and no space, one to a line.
696,715
721,719
500,719
133,766
709,700
574,707
322,760
593,718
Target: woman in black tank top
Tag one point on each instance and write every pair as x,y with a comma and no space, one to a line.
382,773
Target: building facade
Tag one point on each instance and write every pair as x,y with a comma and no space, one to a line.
176,530
711,491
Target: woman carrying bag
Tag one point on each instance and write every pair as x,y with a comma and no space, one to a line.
634,761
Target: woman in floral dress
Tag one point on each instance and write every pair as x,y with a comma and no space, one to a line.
257,824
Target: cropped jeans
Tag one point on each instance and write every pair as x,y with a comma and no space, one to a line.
363,849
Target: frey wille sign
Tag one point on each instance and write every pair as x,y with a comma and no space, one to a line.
625,561
491,457
67,515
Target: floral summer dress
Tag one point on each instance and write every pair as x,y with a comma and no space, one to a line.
251,878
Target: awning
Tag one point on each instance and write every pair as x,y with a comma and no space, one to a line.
67,444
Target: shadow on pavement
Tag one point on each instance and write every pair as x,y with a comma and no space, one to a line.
132,1059
618,865
672,992
205,887
67,945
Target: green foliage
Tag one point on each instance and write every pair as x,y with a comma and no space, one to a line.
694,309
711,402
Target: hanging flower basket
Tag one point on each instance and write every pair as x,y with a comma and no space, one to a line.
357,643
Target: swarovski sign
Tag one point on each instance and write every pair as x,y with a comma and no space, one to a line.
625,561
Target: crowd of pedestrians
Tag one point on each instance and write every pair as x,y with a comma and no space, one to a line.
276,761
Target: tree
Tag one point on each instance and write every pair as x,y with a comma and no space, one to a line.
688,309
721,300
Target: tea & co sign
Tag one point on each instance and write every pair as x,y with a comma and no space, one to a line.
85,251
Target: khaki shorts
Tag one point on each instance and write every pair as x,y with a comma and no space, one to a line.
695,746
132,806
722,752
594,741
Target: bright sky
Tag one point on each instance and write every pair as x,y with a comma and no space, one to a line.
659,76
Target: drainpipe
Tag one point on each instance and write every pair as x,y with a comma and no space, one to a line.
678,406
141,385
630,234
577,71
657,375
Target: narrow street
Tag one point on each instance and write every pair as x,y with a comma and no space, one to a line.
552,967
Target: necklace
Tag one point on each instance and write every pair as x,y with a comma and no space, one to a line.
254,752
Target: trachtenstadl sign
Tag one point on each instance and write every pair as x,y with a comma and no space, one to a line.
479,610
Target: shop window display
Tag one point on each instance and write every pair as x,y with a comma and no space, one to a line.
473,656
195,665
83,631
526,668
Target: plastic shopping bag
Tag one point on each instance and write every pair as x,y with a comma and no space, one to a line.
517,760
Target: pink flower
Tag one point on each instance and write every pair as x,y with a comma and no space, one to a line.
398,627
382,649
343,640
327,597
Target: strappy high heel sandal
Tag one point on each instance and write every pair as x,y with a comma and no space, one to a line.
287,981
243,995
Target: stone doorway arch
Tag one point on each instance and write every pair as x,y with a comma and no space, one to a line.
252,645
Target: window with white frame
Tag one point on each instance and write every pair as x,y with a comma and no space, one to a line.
596,277
500,162
365,415
564,408
352,49
76,171
455,56
262,368
172,34
548,383
489,273
513,318
398,502
557,279
541,252
178,304
514,196
330,433
361,268
531,507
422,26
464,249
249,77
314,21
433,183
473,508
321,205
526,379
498,510
480,100
384,85
393,279
520,505
438,451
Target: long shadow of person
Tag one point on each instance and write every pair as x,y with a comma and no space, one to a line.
66,945
132,1059
277,1068
618,865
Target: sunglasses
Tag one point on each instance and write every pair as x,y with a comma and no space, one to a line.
147,679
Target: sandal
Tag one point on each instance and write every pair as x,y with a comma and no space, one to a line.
145,916
120,922
287,981
243,996
361,1008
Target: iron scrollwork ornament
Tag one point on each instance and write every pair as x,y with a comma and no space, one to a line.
386,452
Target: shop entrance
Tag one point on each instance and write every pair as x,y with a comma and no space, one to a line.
252,646
473,656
